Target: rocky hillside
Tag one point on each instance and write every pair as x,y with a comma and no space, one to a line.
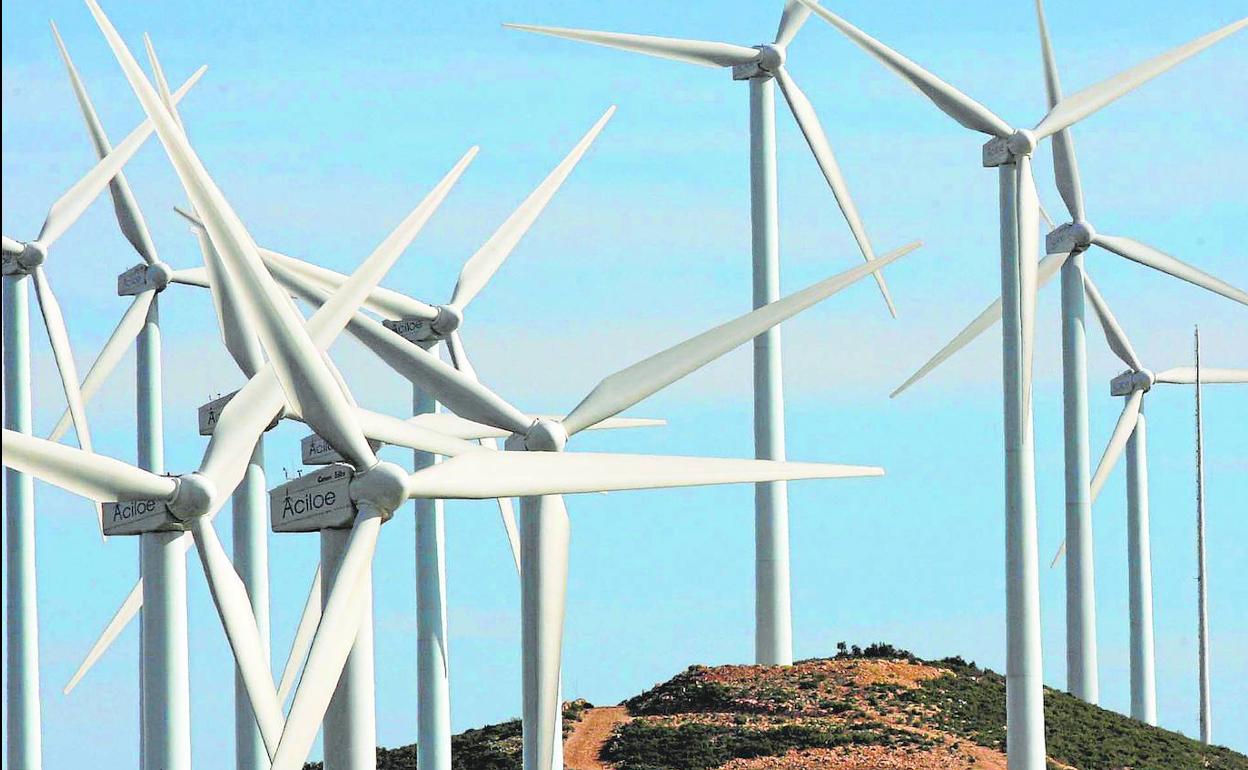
870,709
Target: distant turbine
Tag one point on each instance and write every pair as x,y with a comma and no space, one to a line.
763,66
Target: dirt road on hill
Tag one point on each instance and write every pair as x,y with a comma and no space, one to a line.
588,736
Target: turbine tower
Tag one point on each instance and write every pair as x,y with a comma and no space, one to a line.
1010,151
762,66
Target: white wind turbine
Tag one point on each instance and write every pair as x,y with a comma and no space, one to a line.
762,66
426,325
544,526
1065,248
1131,434
1010,150
297,371
19,261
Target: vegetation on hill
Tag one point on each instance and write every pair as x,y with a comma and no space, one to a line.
877,706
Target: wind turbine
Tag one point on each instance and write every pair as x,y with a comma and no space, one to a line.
1065,248
164,667
544,526
426,325
1010,150
1202,587
1131,434
298,372
762,66
21,260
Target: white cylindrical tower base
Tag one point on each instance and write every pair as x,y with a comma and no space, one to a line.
350,725
1140,577
773,623
21,641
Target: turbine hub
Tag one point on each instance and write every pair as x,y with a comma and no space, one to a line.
1022,142
1145,379
1082,233
160,275
383,486
770,57
193,497
545,436
448,320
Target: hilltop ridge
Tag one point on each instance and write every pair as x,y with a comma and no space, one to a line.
864,709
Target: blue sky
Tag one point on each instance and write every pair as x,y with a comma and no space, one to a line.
326,126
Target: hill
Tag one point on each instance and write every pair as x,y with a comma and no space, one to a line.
866,709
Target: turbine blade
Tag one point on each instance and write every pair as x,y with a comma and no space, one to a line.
161,83
125,613
232,321
339,624
506,512
1028,219
301,371
404,433
808,122
191,276
1117,442
12,248
239,621
62,352
794,16
1186,375
302,642
129,218
484,474
947,99
1045,271
1114,335
1158,260
630,386
1078,106
707,54
113,351
482,265
1065,167
93,476
58,338
70,206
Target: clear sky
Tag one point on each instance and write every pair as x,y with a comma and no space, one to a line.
326,122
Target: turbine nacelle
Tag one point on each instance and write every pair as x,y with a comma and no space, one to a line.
1070,237
144,277
1002,150
1128,382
